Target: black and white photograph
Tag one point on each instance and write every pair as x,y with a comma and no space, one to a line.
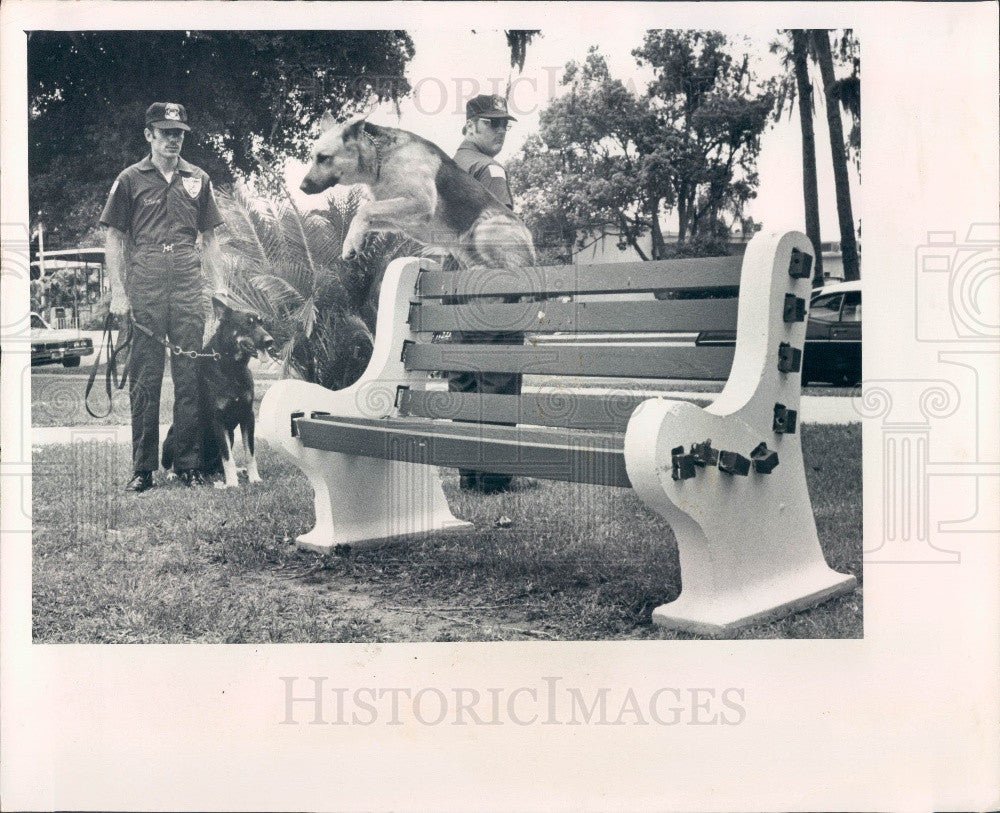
535,337
475,391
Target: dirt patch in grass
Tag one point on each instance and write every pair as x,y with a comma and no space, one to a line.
553,561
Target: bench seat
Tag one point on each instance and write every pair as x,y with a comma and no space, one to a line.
547,453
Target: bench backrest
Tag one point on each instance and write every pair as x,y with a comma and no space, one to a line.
651,336
671,319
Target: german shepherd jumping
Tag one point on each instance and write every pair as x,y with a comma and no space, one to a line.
419,191
225,392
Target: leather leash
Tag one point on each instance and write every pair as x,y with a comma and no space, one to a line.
111,371
124,346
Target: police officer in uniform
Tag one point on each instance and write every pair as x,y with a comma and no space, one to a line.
155,212
486,125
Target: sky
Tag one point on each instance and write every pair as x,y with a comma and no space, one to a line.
450,66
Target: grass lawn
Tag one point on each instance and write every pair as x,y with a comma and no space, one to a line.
574,562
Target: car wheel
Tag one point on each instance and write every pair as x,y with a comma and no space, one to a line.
73,361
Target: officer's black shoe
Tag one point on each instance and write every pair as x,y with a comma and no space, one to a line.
485,482
141,481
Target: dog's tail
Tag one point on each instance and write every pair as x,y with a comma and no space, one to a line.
501,240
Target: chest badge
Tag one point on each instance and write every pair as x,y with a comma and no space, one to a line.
192,186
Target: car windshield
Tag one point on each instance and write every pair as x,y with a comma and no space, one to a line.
36,322
827,306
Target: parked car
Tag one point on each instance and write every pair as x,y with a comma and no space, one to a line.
833,335
51,346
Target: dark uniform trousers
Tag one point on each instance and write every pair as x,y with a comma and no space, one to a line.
480,166
485,382
167,298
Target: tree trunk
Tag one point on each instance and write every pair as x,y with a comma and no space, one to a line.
657,246
848,244
810,188
682,216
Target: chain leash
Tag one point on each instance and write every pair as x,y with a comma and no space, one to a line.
174,349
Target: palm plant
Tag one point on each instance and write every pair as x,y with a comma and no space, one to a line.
820,39
796,84
285,265
814,45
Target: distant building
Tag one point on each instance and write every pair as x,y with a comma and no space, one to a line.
833,260
68,284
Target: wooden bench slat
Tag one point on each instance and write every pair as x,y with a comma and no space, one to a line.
688,273
567,455
608,413
628,359
560,317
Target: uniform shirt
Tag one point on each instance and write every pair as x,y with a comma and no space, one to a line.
485,170
151,211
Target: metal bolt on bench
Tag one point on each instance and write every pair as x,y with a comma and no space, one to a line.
764,460
683,465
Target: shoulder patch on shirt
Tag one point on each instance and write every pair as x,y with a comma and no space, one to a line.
192,186
496,171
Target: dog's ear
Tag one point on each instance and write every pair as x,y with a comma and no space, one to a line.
328,122
353,128
219,306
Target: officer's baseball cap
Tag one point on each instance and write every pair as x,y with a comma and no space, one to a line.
487,106
167,116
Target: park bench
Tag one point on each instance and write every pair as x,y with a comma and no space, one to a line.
729,478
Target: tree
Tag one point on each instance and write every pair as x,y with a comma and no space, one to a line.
848,244
712,101
810,186
609,162
847,51
251,97
799,85
581,176
518,42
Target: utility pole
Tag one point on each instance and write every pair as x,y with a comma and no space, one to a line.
41,247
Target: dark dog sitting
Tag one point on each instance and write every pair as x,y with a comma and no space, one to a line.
225,390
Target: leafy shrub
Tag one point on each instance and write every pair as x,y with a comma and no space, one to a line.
285,265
